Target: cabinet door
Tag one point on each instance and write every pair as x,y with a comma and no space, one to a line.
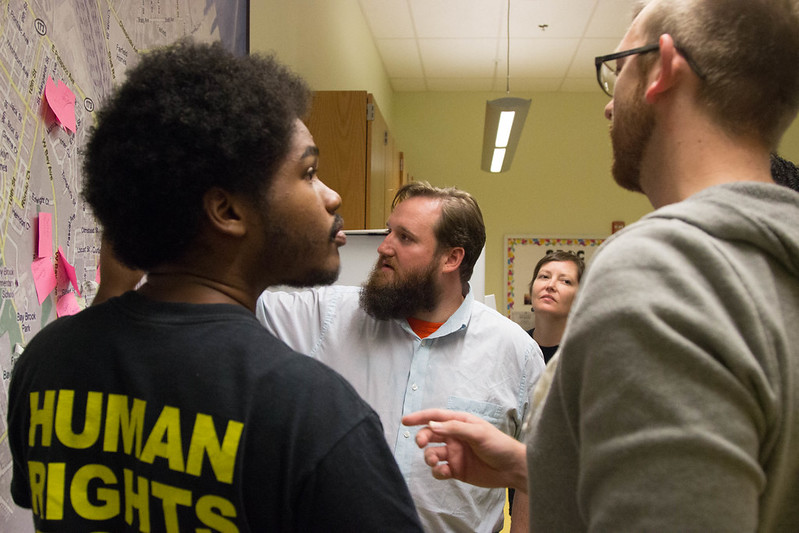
338,124
384,169
378,156
396,178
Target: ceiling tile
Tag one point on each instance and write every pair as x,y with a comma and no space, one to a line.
611,19
463,84
451,19
563,19
388,19
458,58
548,58
400,57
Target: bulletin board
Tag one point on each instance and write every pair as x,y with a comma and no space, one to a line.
59,62
522,253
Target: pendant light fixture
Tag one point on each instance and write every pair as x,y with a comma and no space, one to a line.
504,121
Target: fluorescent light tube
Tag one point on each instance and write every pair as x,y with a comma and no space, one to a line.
498,159
504,128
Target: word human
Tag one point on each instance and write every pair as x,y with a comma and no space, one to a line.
115,425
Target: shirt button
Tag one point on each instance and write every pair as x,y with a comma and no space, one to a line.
415,387
407,434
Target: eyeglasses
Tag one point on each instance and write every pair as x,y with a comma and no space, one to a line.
607,72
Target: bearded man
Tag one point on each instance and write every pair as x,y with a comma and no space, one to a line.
413,337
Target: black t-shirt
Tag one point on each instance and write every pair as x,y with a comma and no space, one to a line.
548,351
182,416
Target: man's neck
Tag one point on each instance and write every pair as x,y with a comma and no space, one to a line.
187,287
451,299
690,154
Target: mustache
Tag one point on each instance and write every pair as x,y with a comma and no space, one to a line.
338,223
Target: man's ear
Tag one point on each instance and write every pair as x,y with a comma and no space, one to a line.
453,259
225,211
665,70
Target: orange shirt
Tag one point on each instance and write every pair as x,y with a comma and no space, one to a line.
423,328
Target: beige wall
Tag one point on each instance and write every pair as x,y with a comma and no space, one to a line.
326,41
789,148
559,183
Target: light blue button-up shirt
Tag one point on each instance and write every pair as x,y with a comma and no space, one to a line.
478,361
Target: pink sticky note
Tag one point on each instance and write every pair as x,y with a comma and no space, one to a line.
62,278
62,101
43,277
44,247
68,269
67,305
97,274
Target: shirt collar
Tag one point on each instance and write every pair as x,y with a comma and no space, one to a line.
456,322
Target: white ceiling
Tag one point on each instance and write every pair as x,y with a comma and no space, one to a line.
461,45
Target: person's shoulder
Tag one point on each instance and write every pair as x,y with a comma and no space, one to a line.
486,320
644,241
314,382
484,313
289,296
66,327
67,339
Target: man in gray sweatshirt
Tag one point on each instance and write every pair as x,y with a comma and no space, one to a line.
673,404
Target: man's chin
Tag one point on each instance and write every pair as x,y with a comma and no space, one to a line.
626,178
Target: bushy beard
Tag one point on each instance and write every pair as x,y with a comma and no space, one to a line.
416,291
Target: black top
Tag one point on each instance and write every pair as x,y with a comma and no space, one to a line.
548,351
193,416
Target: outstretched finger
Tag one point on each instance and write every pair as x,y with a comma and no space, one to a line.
420,418
472,430
427,436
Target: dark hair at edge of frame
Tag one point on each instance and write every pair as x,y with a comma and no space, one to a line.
784,172
189,117
746,50
558,255
461,223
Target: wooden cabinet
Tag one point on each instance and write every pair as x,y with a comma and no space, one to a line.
358,156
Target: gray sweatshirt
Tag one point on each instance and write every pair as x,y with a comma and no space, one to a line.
675,403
